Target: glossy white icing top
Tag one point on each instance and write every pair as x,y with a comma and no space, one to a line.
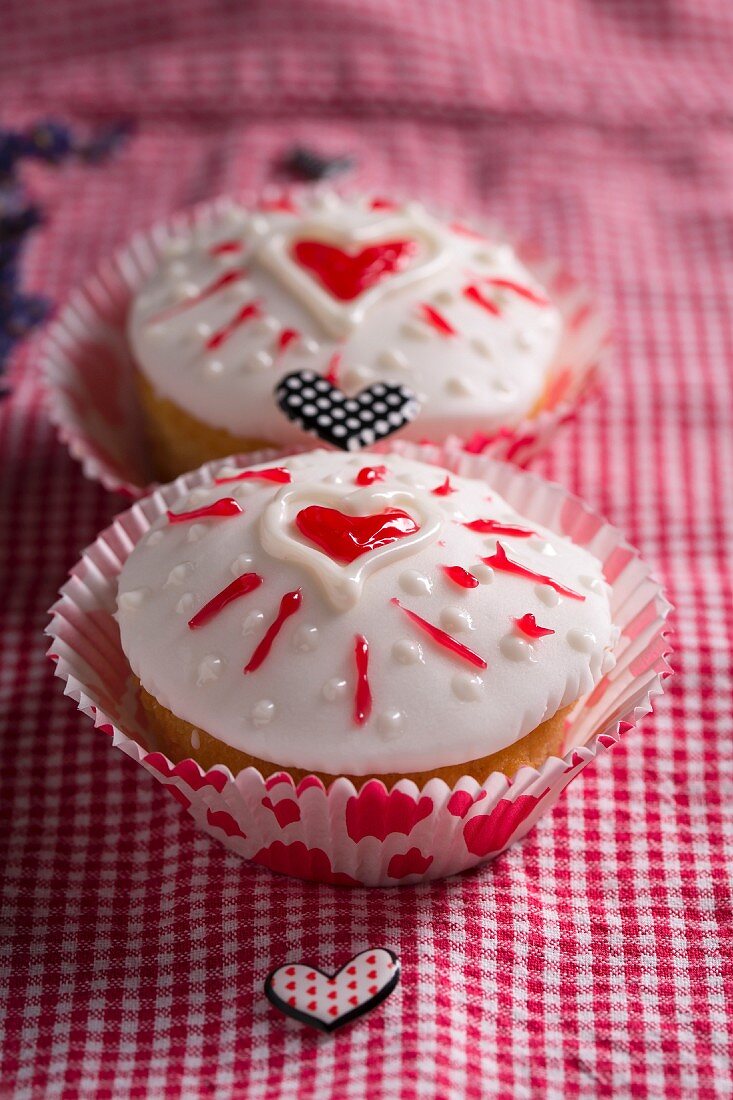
488,371
430,705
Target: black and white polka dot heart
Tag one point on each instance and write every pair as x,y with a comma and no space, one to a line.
350,423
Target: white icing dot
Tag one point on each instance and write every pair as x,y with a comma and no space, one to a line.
153,538
456,619
481,347
390,723
209,669
407,652
358,376
241,565
263,712
416,330
240,291
198,496
253,622
549,596
187,289
467,686
608,662
444,297
305,638
309,346
594,584
195,739
195,532
135,598
502,387
542,546
581,640
176,246
325,200
334,689
214,367
525,340
259,360
179,573
485,256
392,359
203,329
415,583
460,387
258,224
237,215
484,574
158,330
186,604
333,479
516,649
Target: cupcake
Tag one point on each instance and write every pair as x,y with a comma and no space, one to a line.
360,293
361,616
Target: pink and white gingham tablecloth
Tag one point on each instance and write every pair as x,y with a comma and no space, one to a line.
594,959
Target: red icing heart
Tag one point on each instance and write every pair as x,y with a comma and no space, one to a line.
346,275
345,538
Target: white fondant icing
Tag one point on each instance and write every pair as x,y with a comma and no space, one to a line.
447,715
375,333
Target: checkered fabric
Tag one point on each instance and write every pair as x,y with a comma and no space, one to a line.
592,960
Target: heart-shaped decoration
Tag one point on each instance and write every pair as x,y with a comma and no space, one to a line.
346,275
413,521
345,538
333,1000
339,272
319,407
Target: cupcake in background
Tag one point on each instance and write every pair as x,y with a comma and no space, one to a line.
243,314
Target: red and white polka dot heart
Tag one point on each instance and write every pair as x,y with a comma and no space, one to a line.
328,1001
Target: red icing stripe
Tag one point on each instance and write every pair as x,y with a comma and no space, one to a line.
528,625
363,693
289,604
246,313
442,639
227,506
275,473
500,561
334,366
369,474
382,204
286,338
493,527
436,319
242,586
225,247
474,295
445,489
522,291
284,204
460,576
224,280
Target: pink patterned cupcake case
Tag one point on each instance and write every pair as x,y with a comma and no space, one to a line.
370,836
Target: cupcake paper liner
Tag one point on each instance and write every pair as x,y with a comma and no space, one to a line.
89,371
371,836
